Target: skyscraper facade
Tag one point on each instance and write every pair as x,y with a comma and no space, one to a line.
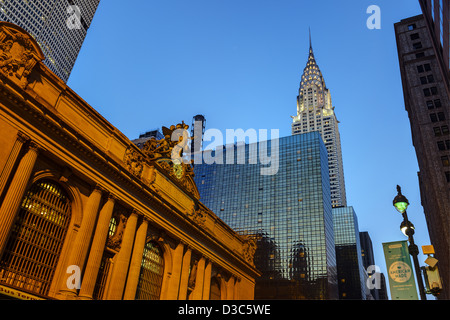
350,270
437,14
426,93
58,26
289,213
315,112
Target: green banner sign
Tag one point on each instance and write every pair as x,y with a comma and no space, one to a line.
402,283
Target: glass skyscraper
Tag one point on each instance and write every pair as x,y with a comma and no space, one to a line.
350,270
56,25
289,213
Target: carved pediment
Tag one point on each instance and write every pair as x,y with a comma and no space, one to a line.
19,52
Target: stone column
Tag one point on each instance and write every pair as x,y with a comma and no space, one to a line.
136,261
177,262
82,240
230,288
236,289
15,193
97,249
198,291
18,144
120,269
207,281
184,280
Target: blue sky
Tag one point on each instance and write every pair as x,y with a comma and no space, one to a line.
152,63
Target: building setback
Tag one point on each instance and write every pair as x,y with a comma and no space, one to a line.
426,93
55,27
86,214
289,213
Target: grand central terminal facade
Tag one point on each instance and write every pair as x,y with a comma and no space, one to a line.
86,214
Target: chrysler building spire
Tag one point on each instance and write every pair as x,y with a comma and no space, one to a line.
315,112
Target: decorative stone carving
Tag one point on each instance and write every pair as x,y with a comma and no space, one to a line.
19,53
198,216
134,162
249,250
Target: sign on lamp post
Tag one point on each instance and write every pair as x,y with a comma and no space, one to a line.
402,283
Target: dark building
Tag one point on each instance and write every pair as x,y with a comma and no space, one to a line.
144,137
289,213
424,73
382,292
350,270
369,260
197,132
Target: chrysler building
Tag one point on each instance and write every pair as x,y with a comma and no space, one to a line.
315,112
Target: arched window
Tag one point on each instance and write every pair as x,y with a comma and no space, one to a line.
151,276
36,239
214,293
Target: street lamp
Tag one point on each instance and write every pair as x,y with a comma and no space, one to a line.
401,204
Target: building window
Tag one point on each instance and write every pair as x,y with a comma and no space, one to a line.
112,226
437,103
445,161
414,36
434,90
411,26
151,276
443,145
441,116
437,131
34,245
447,176
420,55
433,117
417,45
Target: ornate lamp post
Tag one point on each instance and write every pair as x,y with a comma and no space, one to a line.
401,204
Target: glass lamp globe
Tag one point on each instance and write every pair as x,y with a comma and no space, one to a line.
400,202
404,228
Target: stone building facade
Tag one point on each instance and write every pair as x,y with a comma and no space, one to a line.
426,94
86,214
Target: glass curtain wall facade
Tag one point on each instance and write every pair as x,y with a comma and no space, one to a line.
289,213
47,21
350,270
